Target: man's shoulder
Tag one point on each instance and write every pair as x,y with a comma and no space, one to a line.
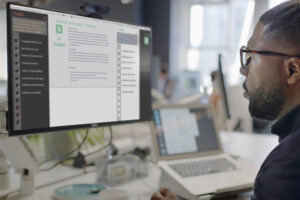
279,176
287,151
292,141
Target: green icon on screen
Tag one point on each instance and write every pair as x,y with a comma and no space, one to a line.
59,29
146,40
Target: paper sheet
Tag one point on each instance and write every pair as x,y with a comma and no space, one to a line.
180,130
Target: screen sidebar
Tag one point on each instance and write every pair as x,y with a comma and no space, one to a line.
28,58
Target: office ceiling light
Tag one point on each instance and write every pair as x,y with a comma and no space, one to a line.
196,25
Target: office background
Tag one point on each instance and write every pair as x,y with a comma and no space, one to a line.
187,36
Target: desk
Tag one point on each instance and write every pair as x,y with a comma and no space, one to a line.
253,147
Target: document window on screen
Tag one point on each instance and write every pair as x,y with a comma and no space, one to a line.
74,70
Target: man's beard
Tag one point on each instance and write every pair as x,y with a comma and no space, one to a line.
266,103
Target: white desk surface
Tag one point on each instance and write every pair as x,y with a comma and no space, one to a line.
253,147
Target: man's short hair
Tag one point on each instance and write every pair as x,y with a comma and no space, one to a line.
283,22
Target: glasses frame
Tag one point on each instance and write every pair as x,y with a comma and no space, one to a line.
244,49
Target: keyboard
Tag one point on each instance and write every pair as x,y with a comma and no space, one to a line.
196,168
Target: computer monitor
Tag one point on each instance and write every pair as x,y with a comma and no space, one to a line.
67,71
223,87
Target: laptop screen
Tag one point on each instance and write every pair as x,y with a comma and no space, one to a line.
184,130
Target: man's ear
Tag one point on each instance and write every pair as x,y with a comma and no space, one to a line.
292,70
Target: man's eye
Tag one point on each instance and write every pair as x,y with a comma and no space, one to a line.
248,59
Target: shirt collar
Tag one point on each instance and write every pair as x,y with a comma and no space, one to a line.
287,124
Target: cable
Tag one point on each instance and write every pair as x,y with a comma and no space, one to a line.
109,144
69,153
74,157
57,163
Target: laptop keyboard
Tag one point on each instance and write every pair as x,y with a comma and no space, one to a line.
196,168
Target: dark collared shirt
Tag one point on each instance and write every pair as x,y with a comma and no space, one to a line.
279,175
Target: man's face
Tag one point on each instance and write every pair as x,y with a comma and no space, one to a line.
263,85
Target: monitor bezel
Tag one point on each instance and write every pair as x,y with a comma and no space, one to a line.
12,132
223,87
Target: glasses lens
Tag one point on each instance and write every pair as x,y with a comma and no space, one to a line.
245,59
248,59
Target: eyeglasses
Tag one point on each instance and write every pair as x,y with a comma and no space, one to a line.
246,58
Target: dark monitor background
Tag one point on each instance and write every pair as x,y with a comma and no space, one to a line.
67,71
223,87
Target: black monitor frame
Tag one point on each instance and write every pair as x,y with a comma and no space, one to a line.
145,75
223,87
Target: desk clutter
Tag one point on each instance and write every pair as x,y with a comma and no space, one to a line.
120,169
110,171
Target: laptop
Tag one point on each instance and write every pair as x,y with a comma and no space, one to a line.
188,150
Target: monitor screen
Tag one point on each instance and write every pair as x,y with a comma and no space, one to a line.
69,71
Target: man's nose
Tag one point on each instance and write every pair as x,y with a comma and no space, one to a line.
244,71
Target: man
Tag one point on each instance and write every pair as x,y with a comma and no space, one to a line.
271,65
